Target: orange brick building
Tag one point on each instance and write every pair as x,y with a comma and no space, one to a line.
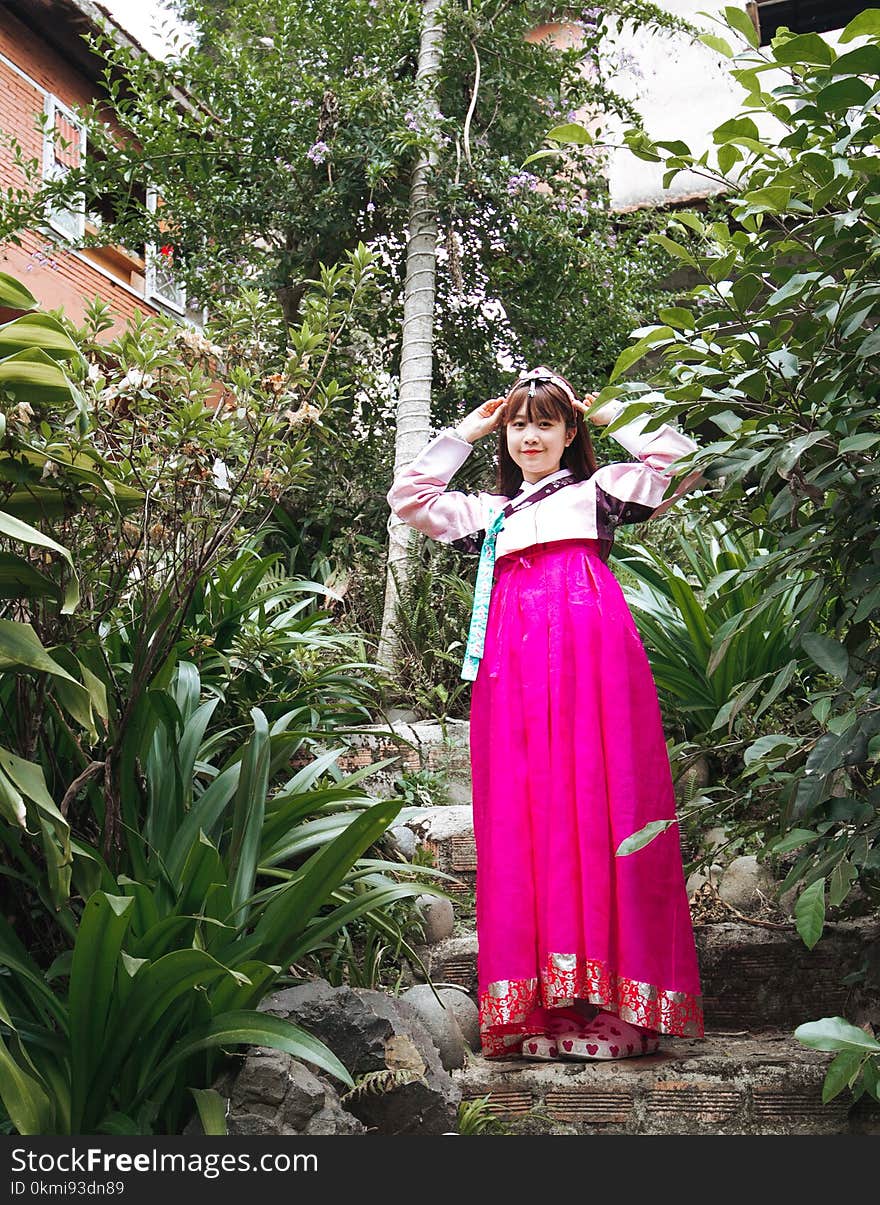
47,69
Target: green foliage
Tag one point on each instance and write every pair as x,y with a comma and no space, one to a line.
689,600
477,1116
857,1061
233,889
433,615
774,348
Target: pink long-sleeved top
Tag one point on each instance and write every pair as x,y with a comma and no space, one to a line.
625,492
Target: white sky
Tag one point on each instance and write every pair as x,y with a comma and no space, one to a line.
140,17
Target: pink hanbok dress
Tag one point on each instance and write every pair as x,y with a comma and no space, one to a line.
568,753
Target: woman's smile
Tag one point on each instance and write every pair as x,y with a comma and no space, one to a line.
521,434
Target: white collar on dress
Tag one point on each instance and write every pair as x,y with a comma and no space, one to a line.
528,486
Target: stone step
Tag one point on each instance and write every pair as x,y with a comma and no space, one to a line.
752,978
758,1084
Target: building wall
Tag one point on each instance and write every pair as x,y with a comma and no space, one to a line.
56,277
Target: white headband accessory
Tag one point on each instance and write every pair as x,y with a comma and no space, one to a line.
544,374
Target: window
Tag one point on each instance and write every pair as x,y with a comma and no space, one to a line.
803,16
161,285
64,150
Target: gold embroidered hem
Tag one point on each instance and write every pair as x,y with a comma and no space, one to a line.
507,1003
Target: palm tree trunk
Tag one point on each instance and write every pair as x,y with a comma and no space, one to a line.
414,400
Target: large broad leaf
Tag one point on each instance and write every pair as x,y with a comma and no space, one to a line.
32,376
102,928
27,778
20,649
809,913
37,331
13,294
806,48
26,1102
842,1071
247,1028
212,1109
866,24
836,1033
16,529
829,654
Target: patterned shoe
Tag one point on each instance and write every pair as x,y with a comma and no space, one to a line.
540,1047
607,1037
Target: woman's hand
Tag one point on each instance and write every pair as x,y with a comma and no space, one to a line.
485,419
603,416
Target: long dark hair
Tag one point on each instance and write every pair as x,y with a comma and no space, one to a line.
552,403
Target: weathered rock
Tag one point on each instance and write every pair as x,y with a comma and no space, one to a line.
401,715
404,840
438,917
275,1094
369,1032
306,1096
441,1022
262,1082
466,1013
355,1032
747,885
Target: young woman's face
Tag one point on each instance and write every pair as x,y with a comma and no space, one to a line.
536,446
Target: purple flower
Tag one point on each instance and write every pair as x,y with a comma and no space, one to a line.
521,181
318,152
411,120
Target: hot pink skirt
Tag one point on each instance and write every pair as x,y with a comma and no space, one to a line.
569,758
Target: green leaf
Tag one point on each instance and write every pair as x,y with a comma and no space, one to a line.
571,131
249,812
809,913
41,331
32,376
737,127
102,928
842,878
680,318
805,48
866,24
643,837
793,840
841,1072
246,1028
24,1098
714,42
869,346
212,1110
828,654
864,60
858,443
728,157
847,93
13,294
631,355
15,529
740,21
835,1033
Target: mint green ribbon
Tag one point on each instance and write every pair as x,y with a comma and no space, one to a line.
476,640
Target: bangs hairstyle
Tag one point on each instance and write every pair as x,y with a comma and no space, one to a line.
552,403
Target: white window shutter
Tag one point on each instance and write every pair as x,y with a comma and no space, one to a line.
64,149
161,285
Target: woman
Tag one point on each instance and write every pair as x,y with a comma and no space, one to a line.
568,753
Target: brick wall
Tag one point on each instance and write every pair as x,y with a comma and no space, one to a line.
56,277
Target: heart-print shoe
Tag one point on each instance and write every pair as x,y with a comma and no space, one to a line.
540,1047
607,1037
